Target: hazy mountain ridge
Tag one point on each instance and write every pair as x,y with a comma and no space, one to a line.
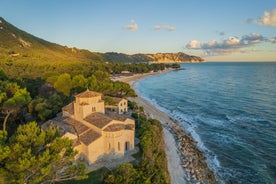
18,45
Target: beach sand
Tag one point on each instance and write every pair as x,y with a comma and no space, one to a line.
186,164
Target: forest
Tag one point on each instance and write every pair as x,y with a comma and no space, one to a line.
32,93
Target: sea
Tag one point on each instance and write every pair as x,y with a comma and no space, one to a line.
229,109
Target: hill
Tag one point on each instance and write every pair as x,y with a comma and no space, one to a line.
159,57
18,45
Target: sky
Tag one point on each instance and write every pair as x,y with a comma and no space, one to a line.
217,30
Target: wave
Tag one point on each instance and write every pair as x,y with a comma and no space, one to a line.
187,123
229,113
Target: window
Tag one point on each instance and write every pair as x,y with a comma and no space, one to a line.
109,146
127,146
119,146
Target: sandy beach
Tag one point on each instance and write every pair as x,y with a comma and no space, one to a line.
186,164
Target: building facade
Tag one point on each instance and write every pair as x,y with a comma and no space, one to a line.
120,106
97,134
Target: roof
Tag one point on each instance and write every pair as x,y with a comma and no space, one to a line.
97,119
58,122
85,134
118,127
130,127
89,136
88,94
69,108
117,100
114,128
115,116
78,126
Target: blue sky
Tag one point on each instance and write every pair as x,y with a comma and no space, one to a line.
217,30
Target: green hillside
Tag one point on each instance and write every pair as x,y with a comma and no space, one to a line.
18,45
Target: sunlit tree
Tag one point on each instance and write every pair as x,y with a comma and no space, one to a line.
34,155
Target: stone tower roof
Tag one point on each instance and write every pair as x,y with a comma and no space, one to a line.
88,94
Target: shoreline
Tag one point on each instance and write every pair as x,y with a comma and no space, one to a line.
186,163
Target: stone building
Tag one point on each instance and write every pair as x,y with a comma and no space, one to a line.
97,134
120,105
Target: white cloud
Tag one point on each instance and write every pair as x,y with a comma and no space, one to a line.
193,44
231,42
133,26
230,45
271,40
267,19
167,27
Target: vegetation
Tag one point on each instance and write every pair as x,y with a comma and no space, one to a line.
13,100
33,155
38,78
94,177
43,98
152,167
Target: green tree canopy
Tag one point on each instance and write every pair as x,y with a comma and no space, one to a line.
39,156
64,84
12,98
79,83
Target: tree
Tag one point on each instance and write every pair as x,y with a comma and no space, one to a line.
46,108
64,84
3,75
4,150
12,105
101,75
79,83
124,173
39,156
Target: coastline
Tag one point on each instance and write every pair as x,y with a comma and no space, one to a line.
186,163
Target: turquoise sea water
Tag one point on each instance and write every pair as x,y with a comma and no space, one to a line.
229,109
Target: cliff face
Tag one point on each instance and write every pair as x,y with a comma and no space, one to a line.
174,57
159,57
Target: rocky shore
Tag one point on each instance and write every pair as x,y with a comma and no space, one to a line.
186,163
192,159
